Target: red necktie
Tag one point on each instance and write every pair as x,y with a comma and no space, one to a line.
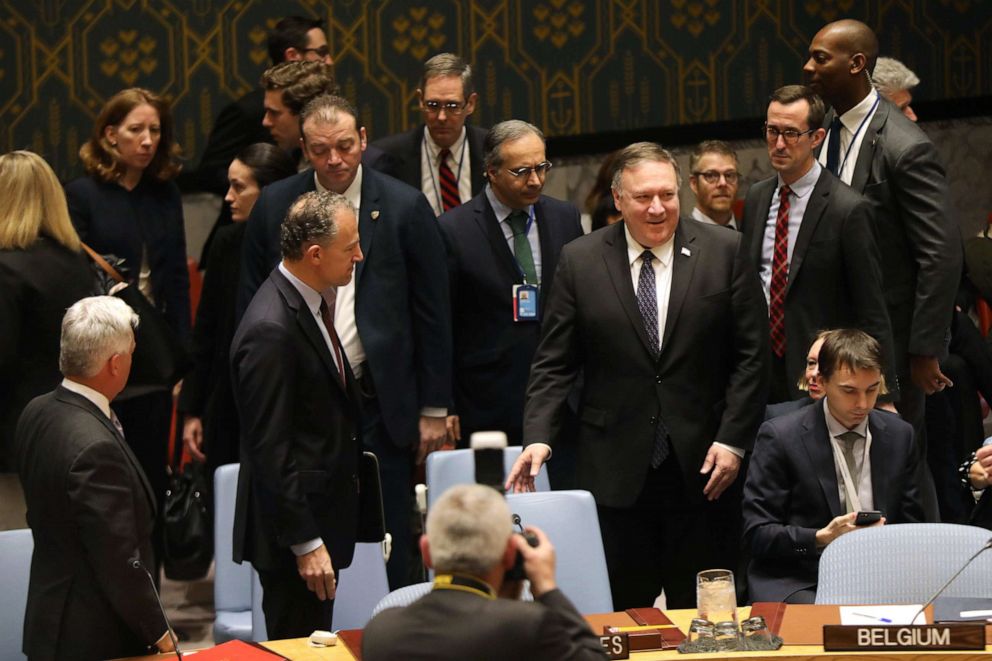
449,186
327,301
780,275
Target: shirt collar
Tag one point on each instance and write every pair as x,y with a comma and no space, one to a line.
311,296
852,118
703,218
98,398
804,185
353,193
835,427
501,210
433,149
662,253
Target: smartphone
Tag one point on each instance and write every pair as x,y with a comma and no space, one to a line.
867,518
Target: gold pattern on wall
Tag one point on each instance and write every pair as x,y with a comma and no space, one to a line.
126,57
418,33
695,15
556,21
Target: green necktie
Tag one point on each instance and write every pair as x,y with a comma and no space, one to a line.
521,246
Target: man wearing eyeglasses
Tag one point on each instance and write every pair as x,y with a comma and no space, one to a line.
713,179
811,239
442,157
503,248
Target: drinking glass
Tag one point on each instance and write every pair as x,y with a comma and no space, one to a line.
716,596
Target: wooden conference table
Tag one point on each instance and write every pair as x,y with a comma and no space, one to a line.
299,649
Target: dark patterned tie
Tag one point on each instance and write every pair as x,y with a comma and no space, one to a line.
833,147
327,301
847,440
449,185
647,303
780,275
517,220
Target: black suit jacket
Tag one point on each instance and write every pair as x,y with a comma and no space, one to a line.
402,303
91,512
299,434
919,243
492,352
401,156
447,624
834,275
791,492
708,384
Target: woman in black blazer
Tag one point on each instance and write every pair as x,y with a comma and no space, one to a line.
210,432
42,272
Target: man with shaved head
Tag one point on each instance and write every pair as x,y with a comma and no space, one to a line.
880,153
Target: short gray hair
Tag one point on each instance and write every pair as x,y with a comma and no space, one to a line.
891,75
641,152
467,530
511,129
311,219
448,64
93,330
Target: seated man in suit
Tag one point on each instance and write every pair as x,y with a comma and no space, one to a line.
442,157
814,469
474,611
90,506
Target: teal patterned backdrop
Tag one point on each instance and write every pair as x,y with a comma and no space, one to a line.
575,67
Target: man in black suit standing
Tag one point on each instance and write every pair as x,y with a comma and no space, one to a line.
666,320
394,318
90,506
474,610
881,154
442,157
814,469
508,236
296,516
811,238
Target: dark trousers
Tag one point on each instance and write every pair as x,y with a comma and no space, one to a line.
291,609
666,538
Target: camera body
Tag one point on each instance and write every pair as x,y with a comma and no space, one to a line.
516,572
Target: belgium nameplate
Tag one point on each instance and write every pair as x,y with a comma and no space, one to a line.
849,638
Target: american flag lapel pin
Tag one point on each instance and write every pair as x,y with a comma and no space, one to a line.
686,252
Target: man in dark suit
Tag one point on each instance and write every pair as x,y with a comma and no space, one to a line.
811,238
474,611
881,154
813,470
296,515
90,506
713,178
442,157
394,319
666,320
496,242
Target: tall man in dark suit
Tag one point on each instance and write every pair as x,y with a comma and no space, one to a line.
394,318
508,235
666,320
811,238
442,157
90,506
812,471
881,154
474,611
296,515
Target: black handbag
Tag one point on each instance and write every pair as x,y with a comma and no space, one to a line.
188,543
160,360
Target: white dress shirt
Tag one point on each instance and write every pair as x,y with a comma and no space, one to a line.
458,161
862,458
854,124
703,218
533,238
798,200
98,398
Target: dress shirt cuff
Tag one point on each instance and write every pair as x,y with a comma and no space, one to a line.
730,448
433,412
544,445
306,547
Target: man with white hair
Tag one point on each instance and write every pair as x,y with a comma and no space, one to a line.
473,612
90,507
895,81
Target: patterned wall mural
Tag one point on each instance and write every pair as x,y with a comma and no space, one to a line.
572,66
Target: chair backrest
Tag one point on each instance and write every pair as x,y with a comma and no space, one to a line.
903,563
232,582
571,521
402,597
447,469
16,547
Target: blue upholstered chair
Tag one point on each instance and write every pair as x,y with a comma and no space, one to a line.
232,582
446,469
402,597
16,547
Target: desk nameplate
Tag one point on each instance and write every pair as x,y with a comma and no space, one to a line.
894,637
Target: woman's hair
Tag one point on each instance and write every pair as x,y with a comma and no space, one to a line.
100,158
33,203
267,163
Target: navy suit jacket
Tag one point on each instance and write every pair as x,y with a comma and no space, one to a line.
791,492
400,156
402,303
492,352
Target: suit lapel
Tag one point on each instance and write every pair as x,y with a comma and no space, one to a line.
544,230
368,219
880,458
485,218
868,145
756,232
618,267
475,150
818,201
684,258
816,441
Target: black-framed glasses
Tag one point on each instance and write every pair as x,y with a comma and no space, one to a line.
541,169
713,176
449,107
791,136
320,51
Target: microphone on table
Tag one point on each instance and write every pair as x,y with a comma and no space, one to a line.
487,450
135,563
988,545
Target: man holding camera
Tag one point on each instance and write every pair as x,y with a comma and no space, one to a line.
474,609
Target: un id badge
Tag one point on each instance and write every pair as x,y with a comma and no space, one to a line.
525,307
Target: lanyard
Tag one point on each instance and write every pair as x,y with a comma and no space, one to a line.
458,175
464,584
854,137
530,221
850,488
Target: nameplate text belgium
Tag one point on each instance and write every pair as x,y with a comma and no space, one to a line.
960,636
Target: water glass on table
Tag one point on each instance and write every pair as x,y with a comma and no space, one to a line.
716,595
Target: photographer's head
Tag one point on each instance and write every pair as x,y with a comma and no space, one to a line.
468,531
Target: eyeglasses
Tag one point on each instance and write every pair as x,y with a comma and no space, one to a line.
541,169
321,52
791,136
449,107
713,176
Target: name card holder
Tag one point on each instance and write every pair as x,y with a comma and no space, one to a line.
895,637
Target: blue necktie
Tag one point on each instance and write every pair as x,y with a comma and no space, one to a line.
833,147
647,303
